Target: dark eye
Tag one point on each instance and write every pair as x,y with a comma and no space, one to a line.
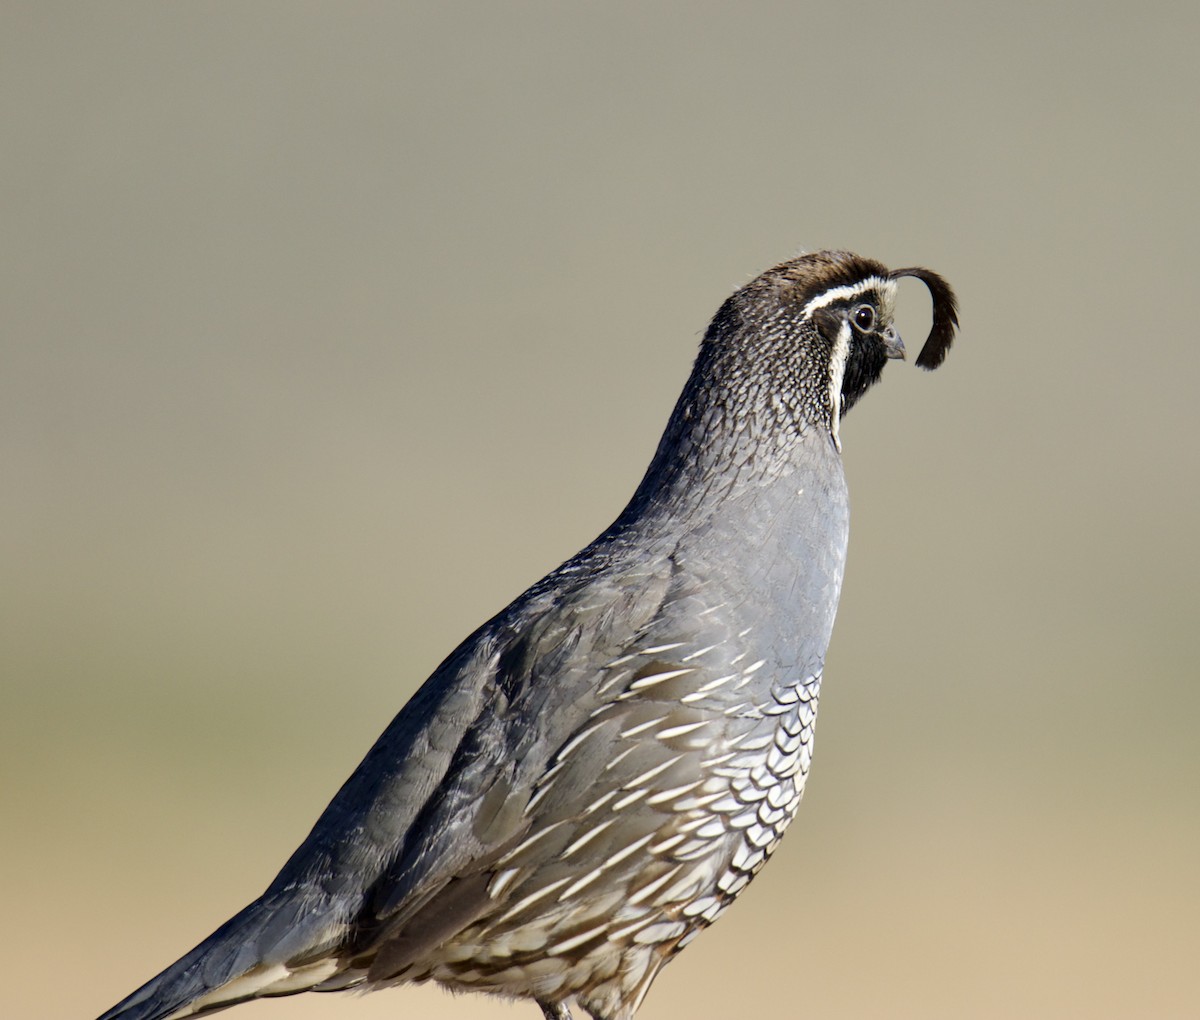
864,317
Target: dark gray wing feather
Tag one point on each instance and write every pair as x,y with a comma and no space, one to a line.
437,797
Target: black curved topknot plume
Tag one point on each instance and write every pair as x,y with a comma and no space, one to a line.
945,315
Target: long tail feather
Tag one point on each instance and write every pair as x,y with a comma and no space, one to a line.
248,957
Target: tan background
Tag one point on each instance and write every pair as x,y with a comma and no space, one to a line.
327,328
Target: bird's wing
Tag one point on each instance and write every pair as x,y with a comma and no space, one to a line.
533,679
587,699
438,792
478,723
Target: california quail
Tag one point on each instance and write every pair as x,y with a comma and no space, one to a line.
594,774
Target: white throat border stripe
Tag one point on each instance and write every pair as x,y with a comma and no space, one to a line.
837,374
886,288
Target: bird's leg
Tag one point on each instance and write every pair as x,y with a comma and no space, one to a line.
555,1010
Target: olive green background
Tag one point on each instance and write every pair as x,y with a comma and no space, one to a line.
327,328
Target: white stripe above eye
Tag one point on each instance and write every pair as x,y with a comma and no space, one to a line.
848,291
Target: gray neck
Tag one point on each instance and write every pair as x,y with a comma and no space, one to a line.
736,442
756,513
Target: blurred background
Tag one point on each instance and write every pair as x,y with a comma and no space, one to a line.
327,328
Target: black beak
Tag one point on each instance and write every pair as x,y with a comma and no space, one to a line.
892,344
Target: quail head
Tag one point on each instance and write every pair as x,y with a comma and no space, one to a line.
596,773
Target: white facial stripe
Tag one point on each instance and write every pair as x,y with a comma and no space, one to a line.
841,346
887,289
837,372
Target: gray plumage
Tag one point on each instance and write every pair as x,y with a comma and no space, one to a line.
594,774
